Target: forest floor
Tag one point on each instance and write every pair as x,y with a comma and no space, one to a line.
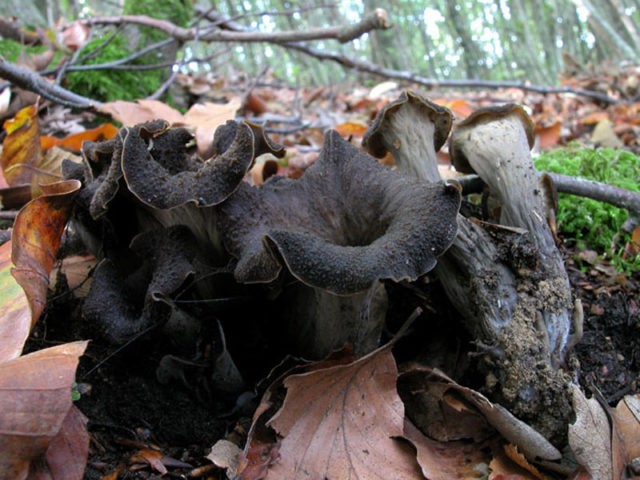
143,429
135,420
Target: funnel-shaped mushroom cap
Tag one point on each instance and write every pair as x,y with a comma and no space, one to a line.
162,172
345,224
480,116
420,110
413,129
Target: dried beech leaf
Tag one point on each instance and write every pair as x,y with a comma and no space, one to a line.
528,440
133,113
75,35
340,422
590,437
206,117
15,317
36,238
446,460
626,431
74,141
35,400
21,147
66,457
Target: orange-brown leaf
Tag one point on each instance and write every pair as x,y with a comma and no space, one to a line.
446,460
351,129
21,147
340,422
15,318
548,135
205,118
74,141
35,400
36,238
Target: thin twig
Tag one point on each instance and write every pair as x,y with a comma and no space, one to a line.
373,21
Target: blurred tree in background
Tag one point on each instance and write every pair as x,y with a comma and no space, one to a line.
533,40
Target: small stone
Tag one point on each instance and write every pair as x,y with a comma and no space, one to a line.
620,357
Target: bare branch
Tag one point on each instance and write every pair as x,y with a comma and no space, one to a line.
602,192
375,20
32,81
10,29
378,70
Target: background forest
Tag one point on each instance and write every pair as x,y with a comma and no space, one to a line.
532,41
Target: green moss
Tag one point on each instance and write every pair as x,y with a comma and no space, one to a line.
586,221
108,85
111,84
11,50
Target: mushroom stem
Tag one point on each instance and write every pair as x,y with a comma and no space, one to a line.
320,322
500,279
496,144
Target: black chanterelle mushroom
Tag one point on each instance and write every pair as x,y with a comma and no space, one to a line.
348,223
413,129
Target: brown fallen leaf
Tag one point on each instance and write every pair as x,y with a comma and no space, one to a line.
67,453
76,270
202,118
205,118
15,318
590,437
36,238
447,460
625,435
343,422
21,147
548,135
74,141
132,113
35,401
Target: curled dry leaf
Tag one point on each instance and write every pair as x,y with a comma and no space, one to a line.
343,422
66,455
528,440
625,438
590,437
446,460
36,238
15,319
21,147
35,402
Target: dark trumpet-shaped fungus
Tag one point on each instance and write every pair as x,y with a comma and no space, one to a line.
347,223
406,126
163,173
121,304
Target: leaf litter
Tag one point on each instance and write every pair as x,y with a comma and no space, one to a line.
303,385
